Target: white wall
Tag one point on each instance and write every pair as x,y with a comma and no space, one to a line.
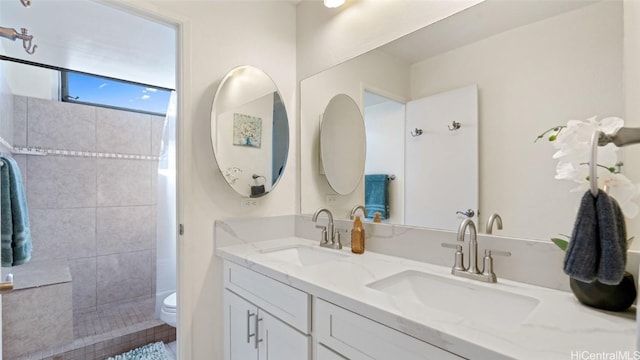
384,123
530,79
32,81
352,79
216,37
327,37
631,84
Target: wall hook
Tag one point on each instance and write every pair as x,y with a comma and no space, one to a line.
26,42
12,35
416,132
26,3
454,126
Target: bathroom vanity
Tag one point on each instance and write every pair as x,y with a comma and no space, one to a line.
288,298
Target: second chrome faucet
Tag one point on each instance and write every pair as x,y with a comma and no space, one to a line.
328,231
472,271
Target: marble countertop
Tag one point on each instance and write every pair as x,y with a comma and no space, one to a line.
558,326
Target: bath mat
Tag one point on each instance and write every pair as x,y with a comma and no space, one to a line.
154,351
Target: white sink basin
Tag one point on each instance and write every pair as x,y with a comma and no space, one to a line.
483,304
304,255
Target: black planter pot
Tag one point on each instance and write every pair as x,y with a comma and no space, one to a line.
606,297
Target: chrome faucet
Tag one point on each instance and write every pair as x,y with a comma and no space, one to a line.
471,271
492,218
326,230
352,215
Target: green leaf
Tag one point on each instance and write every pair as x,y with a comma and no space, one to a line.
561,243
552,138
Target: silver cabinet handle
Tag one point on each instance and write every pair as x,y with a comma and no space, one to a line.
469,213
7,285
249,335
257,333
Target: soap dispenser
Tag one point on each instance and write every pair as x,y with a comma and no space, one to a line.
357,236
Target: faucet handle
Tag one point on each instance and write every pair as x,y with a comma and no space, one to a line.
335,240
325,238
458,264
496,252
488,262
457,246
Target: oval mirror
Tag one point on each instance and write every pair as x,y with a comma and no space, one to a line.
249,131
343,144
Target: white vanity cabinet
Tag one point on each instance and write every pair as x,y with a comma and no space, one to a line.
263,318
356,337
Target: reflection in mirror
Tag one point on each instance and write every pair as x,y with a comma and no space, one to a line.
249,131
536,64
342,144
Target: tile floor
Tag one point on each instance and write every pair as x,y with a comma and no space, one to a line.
112,330
112,317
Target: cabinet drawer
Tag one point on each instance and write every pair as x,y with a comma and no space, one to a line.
357,337
282,301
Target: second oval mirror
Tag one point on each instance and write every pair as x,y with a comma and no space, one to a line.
249,131
343,145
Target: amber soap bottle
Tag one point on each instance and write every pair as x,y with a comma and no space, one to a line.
357,236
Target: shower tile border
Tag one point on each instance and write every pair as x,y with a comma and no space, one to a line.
25,150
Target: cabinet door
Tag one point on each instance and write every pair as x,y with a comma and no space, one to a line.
239,328
325,353
279,341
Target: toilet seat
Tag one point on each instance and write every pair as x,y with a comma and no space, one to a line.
168,310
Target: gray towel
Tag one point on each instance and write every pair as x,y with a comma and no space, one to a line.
597,250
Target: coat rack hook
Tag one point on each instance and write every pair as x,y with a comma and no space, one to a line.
454,126
26,42
26,3
416,132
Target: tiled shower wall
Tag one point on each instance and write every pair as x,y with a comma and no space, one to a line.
97,213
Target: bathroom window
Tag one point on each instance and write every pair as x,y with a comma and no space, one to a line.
111,93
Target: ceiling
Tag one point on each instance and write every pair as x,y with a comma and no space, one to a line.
91,37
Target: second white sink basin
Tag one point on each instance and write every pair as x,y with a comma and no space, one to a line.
492,307
304,255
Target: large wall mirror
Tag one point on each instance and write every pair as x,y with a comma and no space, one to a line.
249,131
535,64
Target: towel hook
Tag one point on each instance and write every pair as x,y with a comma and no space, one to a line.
593,165
454,126
26,42
416,132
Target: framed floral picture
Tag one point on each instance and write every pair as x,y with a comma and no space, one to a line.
247,130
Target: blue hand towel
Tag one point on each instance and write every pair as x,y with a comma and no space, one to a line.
15,230
376,195
597,250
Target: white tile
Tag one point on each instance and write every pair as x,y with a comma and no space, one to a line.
123,182
63,233
61,182
123,132
60,125
124,229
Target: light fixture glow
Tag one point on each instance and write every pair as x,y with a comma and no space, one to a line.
333,3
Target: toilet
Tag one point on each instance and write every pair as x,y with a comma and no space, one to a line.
168,310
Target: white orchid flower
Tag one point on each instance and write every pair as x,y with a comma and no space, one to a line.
573,144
